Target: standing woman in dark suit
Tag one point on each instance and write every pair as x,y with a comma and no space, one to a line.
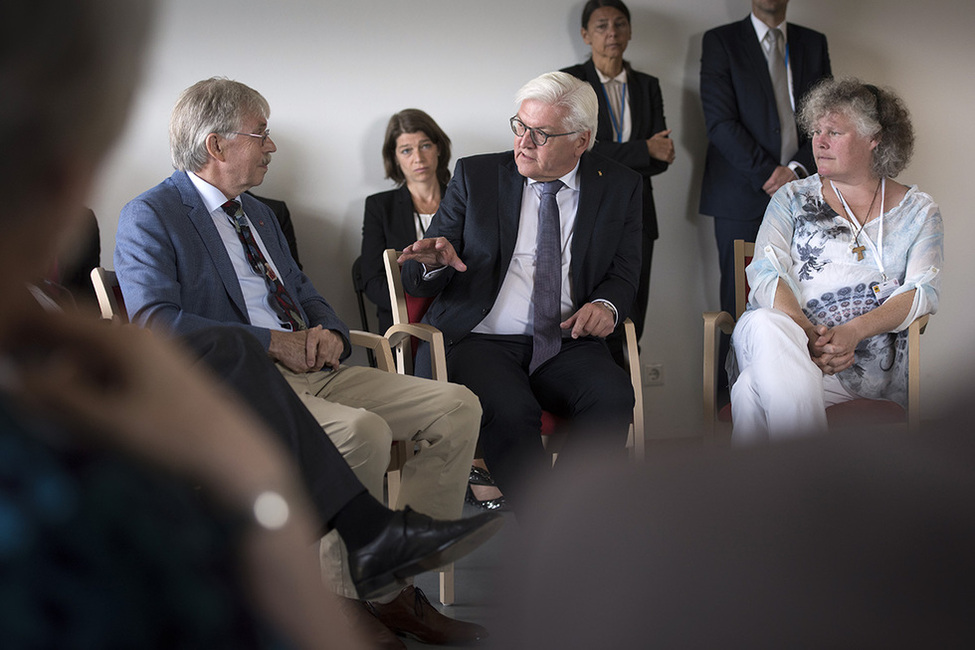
632,131
416,155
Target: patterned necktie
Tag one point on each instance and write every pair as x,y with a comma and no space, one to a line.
783,101
280,299
547,289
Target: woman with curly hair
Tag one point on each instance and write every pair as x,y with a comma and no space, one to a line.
844,261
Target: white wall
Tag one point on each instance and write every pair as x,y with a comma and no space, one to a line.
334,72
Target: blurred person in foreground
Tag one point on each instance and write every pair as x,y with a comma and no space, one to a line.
844,261
125,521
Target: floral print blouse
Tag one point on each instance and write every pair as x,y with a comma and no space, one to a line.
804,242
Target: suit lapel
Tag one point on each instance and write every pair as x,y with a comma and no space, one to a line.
604,127
796,61
511,184
639,114
756,57
591,190
203,222
403,224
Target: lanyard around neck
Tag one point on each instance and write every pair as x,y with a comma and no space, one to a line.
617,126
878,248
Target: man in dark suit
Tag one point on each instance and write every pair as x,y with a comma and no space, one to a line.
489,260
745,162
196,251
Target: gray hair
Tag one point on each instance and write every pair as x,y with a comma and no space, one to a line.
215,105
68,70
563,91
875,112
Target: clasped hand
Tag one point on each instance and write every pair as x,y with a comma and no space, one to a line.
832,349
306,350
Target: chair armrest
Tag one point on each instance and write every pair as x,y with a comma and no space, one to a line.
631,355
379,346
714,321
399,336
914,332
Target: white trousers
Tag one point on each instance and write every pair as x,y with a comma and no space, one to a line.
780,393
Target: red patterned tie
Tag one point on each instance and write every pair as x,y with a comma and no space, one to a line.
280,299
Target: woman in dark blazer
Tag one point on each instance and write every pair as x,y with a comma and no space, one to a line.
632,132
416,155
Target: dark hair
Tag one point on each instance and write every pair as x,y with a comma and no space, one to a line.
593,5
413,120
876,112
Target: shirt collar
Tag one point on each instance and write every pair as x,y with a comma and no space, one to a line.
761,29
621,77
213,198
571,179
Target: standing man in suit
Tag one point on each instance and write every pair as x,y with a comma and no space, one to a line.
754,145
534,256
632,130
196,251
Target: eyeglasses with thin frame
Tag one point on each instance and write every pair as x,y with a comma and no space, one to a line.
538,136
263,136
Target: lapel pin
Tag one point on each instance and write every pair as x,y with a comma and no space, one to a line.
261,222
600,172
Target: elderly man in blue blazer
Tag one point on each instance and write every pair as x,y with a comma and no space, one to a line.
745,162
534,256
196,251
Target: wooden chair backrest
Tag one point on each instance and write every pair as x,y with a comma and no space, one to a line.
744,252
109,295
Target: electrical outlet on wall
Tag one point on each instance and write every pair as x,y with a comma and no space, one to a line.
653,374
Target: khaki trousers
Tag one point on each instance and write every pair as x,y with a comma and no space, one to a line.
363,410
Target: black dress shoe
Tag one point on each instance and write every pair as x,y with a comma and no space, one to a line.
413,543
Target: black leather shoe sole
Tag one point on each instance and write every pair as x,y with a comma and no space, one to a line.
450,551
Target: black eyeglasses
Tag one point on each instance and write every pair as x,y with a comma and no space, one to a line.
262,136
538,136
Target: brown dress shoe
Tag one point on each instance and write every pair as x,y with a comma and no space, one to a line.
412,615
377,635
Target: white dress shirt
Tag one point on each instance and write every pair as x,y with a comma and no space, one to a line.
627,114
512,311
252,284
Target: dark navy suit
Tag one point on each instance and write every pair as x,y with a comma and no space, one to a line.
743,129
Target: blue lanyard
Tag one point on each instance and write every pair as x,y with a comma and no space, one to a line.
617,126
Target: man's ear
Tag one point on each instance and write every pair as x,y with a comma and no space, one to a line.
215,147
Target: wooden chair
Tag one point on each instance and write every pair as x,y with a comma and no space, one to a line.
838,415
358,285
112,307
410,309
